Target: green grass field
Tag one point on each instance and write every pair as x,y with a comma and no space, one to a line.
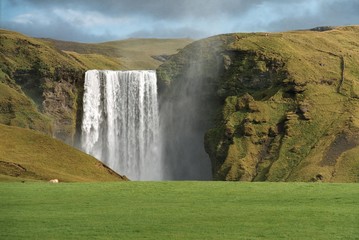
179,210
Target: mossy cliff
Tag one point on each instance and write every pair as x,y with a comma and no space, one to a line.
278,106
39,84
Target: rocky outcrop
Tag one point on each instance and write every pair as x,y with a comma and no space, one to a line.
55,91
62,97
56,95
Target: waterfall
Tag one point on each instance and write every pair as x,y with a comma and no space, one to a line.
120,123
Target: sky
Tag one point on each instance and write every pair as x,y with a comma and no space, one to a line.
105,20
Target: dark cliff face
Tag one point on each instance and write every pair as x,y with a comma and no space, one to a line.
62,100
267,107
57,95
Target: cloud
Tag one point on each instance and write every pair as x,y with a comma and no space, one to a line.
93,20
87,18
26,18
169,10
164,32
270,15
56,28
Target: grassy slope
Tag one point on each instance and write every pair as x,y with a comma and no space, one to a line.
131,53
29,155
21,52
179,210
266,135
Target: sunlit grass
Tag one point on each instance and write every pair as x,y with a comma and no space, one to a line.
29,155
179,210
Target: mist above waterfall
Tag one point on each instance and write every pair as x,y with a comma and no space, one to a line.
186,113
181,126
120,122
189,104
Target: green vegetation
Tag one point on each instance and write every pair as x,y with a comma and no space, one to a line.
43,75
179,210
26,155
130,53
288,103
18,110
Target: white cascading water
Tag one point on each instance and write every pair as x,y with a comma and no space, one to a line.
120,123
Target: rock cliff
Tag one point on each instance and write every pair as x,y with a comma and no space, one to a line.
273,106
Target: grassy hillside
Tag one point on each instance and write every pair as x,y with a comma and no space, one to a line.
288,103
26,155
131,53
179,210
42,76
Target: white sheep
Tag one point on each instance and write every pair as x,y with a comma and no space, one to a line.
54,180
